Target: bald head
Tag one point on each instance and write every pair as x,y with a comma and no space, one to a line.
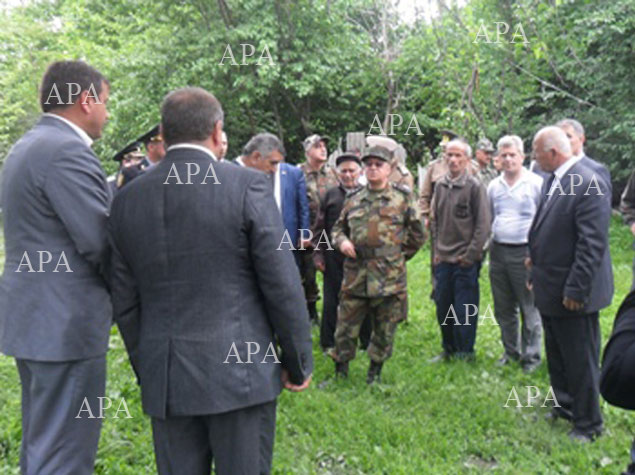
551,148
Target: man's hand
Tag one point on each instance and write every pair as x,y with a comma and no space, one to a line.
318,261
528,263
572,305
464,262
633,228
294,387
348,249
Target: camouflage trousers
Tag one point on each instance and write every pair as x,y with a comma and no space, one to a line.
307,272
385,314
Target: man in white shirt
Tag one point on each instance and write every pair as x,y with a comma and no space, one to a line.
514,198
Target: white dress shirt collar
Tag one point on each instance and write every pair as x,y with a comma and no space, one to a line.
240,162
200,148
82,134
566,166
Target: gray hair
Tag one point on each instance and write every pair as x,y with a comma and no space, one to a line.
460,143
189,115
511,141
574,124
553,137
264,143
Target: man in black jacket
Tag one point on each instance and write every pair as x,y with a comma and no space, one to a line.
203,297
618,366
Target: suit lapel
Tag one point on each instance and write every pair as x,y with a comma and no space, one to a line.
556,196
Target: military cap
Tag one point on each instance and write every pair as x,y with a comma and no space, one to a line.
152,135
485,145
447,135
311,140
347,156
133,150
383,141
378,152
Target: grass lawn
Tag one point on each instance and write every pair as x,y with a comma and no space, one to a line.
424,418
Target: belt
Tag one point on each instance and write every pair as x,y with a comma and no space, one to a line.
364,252
504,244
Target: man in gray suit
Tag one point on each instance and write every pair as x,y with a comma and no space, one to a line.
55,312
568,242
202,298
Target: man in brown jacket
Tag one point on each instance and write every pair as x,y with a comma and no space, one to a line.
460,222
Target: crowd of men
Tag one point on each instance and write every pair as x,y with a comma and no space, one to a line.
197,275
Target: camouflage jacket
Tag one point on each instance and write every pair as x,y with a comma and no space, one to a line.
386,229
486,175
317,182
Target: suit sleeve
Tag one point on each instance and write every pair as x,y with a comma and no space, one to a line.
482,225
125,297
617,382
302,202
279,280
76,187
591,216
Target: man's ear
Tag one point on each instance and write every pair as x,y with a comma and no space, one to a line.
217,133
84,101
582,139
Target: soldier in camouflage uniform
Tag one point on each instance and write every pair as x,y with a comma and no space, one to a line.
318,178
400,174
379,228
484,153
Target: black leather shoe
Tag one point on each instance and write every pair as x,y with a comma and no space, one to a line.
374,373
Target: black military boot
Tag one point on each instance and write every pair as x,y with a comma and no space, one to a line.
374,372
313,316
341,370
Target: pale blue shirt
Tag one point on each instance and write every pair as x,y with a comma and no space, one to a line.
514,207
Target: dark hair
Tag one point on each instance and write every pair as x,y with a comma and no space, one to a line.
189,115
61,80
265,143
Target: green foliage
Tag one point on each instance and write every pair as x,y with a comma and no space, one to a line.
337,64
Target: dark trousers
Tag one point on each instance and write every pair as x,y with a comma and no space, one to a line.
333,276
456,293
239,442
573,349
58,399
307,272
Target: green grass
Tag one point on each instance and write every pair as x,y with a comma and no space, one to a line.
423,418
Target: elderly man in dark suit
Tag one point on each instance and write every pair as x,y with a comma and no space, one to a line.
568,244
55,312
203,298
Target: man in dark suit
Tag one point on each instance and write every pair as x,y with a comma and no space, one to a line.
55,312
568,241
265,152
202,297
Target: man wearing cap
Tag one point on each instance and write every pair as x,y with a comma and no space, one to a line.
379,228
155,149
318,179
130,164
484,153
460,224
331,262
400,175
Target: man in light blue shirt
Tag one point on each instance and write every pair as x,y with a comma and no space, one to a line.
514,197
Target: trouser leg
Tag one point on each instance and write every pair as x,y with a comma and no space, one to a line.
60,436
351,313
505,308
